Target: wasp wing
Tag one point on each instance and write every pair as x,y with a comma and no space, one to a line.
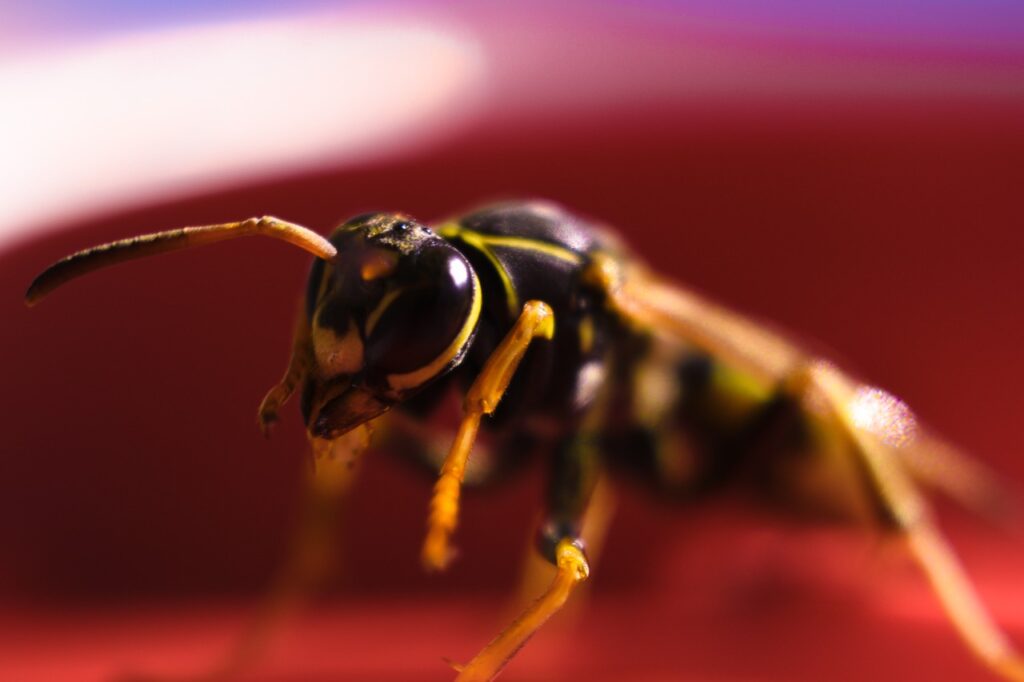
666,308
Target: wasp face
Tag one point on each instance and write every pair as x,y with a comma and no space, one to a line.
397,309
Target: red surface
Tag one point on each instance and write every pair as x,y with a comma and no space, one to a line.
134,477
733,604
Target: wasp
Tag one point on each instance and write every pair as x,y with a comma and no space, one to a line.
561,342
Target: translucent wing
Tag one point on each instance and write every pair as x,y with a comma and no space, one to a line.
663,307
892,451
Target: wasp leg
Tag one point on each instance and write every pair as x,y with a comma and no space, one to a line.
308,560
571,498
299,364
536,320
911,517
643,299
598,518
572,569
416,432
594,531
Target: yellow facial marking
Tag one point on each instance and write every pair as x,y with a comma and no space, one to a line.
338,354
418,377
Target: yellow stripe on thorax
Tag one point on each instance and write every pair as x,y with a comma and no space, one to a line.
484,243
559,252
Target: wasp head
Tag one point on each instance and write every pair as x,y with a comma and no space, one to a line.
396,308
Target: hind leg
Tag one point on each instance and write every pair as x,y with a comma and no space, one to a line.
643,298
909,514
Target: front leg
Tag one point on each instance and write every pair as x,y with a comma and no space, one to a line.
536,320
299,365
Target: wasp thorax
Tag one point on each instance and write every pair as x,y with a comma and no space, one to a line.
396,309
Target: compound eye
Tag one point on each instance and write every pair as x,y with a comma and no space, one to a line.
419,322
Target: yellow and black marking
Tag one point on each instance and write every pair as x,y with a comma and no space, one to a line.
489,247
398,310
535,322
563,346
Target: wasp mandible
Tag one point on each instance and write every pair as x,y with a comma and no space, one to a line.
561,342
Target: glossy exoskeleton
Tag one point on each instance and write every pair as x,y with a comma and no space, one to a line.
561,342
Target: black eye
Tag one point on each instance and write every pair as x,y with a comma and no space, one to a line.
402,226
420,321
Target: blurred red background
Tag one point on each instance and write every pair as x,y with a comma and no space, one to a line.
141,510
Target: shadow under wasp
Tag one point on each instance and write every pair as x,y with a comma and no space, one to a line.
561,341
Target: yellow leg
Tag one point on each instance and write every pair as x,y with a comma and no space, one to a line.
536,320
913,519
536,569
308,560
572,570
640,297
598,519
299,365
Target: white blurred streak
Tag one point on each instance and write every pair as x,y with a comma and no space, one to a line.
181,111
156,114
